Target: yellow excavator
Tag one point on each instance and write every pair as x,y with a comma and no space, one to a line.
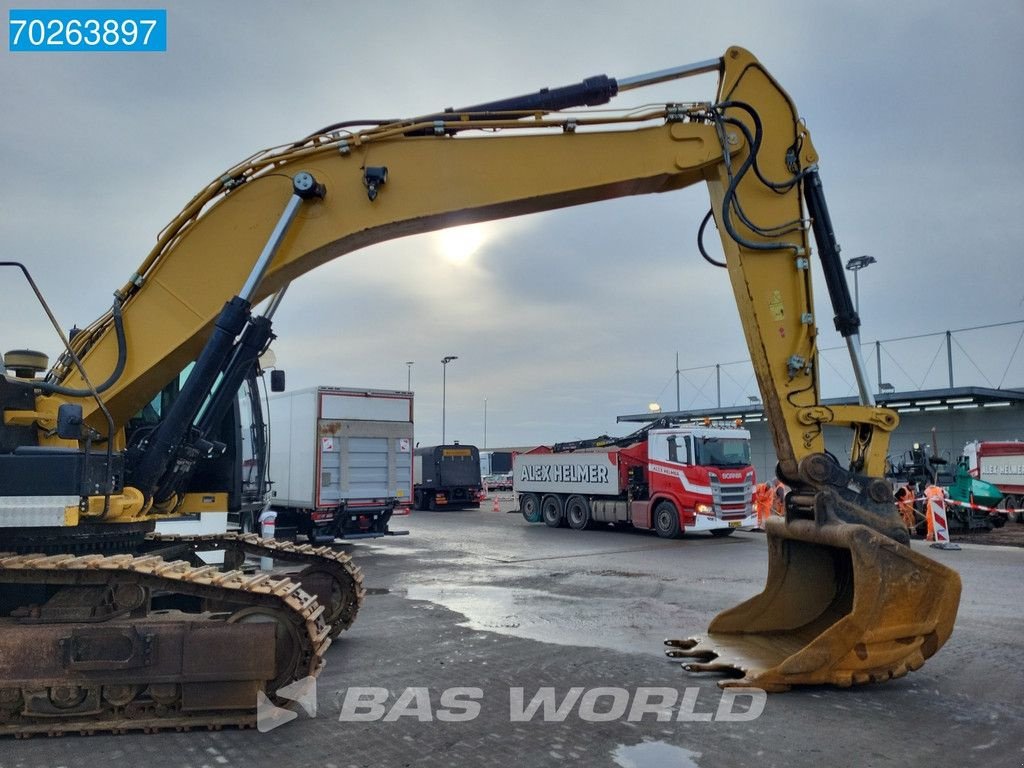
108,626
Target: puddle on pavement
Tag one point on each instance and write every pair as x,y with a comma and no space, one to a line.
391,549
539,615
654,754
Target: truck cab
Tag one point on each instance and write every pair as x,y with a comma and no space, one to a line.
690,464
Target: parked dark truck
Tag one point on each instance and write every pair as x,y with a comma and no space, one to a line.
447,477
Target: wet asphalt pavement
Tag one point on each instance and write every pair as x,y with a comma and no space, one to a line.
507,611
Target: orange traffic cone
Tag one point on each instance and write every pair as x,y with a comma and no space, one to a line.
494,507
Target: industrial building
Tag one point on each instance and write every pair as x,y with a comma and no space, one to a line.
944,419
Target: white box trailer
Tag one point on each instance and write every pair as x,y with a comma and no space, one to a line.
340,460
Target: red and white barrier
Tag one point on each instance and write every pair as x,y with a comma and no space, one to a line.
980,507
936,501
997,510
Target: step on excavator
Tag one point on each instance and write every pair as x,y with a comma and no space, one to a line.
105,625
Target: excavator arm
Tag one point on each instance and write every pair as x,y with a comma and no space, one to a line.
396,178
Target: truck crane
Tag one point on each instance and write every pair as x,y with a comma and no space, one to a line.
107,626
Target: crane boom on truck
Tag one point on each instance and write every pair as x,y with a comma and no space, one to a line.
847,601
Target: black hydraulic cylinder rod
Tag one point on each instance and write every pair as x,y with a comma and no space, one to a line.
149,464
176,424
239,369
846,318
243,362
590,92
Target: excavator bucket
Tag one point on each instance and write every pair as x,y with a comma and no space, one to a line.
843,605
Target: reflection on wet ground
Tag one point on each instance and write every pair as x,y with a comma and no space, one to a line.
654,754
618,623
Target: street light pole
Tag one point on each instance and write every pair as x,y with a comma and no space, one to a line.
444,390
855,265
677,382
408,376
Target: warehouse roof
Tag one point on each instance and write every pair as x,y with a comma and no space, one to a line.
954,398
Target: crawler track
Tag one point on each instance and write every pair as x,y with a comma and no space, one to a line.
126,642
330,575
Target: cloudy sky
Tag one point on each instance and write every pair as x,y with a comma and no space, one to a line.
563,320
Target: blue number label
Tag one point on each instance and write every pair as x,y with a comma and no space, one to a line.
87,30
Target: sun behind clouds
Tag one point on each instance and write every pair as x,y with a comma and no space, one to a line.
458,245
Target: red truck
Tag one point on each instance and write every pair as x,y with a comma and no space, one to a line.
1001,464
669,479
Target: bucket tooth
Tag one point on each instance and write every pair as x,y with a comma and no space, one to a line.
684,644
696,653
716,666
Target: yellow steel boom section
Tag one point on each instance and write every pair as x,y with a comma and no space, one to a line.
451,178
433,182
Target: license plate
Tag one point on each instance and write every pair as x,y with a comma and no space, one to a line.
735,523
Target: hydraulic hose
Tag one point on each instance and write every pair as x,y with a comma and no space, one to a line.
122,358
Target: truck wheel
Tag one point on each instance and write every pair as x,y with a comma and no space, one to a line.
666,521
1009,504
577,512
529,505
551,511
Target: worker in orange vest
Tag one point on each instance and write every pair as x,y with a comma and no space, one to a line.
779,491
932,493
763,496
905,504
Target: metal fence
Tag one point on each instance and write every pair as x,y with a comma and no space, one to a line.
984,356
